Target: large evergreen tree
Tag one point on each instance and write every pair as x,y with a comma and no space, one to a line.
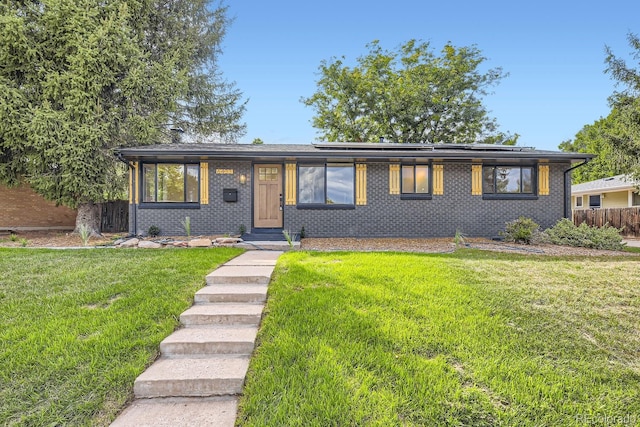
408,95
79,78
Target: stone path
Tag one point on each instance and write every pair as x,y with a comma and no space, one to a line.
201,371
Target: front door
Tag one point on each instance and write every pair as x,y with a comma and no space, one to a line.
267,196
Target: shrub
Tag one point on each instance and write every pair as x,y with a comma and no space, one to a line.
521,230
565,232
153,231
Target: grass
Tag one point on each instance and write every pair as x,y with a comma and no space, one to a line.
471,338
78,326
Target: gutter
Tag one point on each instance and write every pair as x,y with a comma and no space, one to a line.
567,187
135,210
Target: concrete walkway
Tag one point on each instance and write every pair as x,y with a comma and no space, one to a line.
201,371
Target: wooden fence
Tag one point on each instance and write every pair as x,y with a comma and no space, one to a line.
115,217
629,218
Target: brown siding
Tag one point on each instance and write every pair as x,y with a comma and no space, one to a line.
22,208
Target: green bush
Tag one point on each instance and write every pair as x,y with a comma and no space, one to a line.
154,231
521,230
565,232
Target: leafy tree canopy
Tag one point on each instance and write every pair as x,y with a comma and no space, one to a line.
79,78
410,95
625,141
595,139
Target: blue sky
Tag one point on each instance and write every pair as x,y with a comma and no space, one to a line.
552,50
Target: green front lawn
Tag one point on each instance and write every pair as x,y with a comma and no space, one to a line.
471,338
78,326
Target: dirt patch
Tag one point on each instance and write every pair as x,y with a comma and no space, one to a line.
61,239
446,245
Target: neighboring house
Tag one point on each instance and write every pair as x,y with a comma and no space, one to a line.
618,191
22,209
346,189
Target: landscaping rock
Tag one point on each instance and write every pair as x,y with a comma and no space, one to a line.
119,242
199,243
228,240
148,244
180,244
131,243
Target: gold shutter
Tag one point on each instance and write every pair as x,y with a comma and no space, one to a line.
438,180
135,183
204,183
131,183
394,179
543,180
290,184
476,180
361,184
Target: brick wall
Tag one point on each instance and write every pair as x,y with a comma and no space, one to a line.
218,217
385,215
22,209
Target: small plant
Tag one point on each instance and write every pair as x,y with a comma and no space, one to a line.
153,231
287,236
24,242
521,230
85,233
565,232
186,224
13,237
303,233
459,239
242,229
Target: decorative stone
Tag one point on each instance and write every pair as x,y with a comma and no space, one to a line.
131,243
119,242
180,244
148,244
199,243
228,240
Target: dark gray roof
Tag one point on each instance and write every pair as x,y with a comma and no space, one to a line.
345,151
614,183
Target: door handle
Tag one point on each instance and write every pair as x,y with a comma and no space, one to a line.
281,204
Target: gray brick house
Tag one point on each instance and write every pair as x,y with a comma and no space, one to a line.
346,189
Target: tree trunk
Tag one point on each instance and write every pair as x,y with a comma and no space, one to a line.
89,215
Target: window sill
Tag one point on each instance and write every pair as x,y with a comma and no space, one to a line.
325,207
509,197
165,205
409,196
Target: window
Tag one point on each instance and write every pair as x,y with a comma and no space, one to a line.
578,201
594,201
506,180
330,184
170,183
635,199
415,179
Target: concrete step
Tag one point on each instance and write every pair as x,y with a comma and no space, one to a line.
231,293
254,258
207,341
216,376
180,412
238,274
222,314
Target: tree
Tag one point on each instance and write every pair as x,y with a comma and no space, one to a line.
410,95
257,141
596,139
79,78
625,141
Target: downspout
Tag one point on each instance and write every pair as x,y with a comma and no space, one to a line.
567,187
135,210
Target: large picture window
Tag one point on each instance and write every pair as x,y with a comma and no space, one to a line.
330,184
170,183
505,180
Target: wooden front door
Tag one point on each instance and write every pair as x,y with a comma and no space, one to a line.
267,196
